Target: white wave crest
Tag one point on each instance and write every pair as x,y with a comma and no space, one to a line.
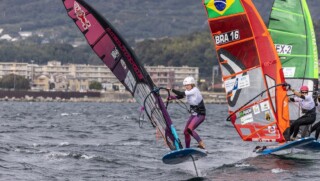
56,155
87,157
64,144
277,170
242,165
64,114
133,143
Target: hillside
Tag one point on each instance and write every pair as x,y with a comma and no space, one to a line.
135,19
183,22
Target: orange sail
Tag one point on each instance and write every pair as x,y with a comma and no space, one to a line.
251,70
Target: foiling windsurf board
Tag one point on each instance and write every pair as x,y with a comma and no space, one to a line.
314,146
183,155
292,144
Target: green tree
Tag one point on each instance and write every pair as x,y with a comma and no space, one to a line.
16,82
196,50
95,85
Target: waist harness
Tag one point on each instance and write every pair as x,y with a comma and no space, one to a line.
199,109
311,111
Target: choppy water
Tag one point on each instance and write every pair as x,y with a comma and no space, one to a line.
103,141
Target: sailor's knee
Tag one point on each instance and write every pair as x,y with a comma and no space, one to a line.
187,131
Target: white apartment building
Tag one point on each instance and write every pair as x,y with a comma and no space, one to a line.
61,75
171,76
15,68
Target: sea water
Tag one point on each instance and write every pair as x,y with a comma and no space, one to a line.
106,141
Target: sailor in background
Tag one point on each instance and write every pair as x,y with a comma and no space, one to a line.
197,109
308,108
316,127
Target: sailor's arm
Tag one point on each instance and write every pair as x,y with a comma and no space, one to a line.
297,94
179,94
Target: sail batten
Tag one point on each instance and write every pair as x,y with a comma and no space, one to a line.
288,33
288,12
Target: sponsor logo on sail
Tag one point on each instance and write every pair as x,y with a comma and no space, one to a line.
272,129
126,53
267,116
235,86
256,109
245,112
81,15
264,106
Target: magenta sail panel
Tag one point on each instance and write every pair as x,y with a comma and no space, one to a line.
120,59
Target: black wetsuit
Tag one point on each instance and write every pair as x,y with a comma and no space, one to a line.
316,127
309,116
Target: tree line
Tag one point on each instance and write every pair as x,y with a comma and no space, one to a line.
25,51
191,50
15,82
196,50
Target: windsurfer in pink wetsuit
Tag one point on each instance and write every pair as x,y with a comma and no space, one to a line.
197,108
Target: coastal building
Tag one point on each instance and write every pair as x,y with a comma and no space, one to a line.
13,68
182,72
171,76
78,84
77,77
41,83
25,34
162,76
6,37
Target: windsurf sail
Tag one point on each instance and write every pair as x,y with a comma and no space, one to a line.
291,29
251,70
115,53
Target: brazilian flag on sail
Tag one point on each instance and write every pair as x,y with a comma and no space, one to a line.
217,8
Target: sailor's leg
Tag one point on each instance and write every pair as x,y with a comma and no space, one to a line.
303,120
317,133
294,128
187,137
315,126
195,122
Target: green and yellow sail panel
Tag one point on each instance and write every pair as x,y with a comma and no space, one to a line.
293,34
251,70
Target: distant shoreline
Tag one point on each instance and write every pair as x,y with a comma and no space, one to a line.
110,96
